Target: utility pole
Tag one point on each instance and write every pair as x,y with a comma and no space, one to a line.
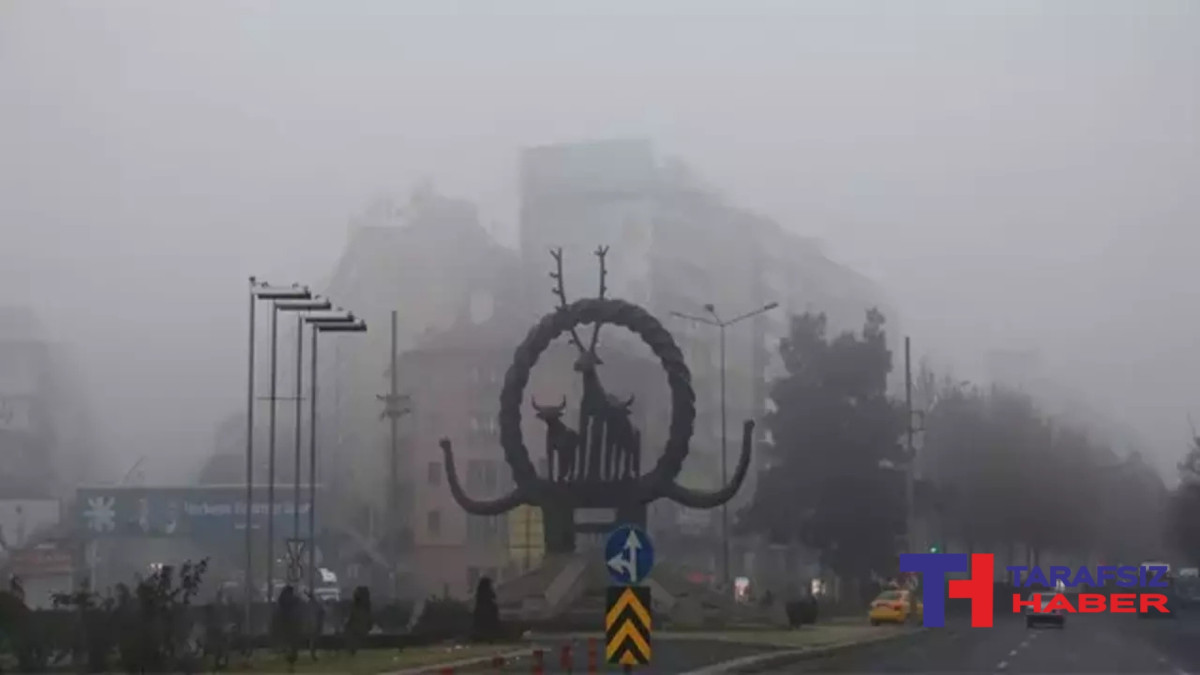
910,452
715,319
395,406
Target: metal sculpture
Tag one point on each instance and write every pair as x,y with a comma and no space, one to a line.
599,462
562,441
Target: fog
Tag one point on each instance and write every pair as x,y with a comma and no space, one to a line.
1016,174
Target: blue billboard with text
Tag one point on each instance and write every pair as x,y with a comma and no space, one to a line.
208,512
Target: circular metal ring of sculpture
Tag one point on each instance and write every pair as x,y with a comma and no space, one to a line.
618,313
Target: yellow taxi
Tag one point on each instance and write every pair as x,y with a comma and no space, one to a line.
895,606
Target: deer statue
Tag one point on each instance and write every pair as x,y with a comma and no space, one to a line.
596,407
562,442
598,463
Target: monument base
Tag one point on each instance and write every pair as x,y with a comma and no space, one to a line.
567,593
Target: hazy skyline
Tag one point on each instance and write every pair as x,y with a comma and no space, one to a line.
1016,174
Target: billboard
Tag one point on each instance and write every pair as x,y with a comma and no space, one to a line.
43,560
195,512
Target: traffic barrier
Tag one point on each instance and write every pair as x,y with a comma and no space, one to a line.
498,662
539,662
448,670
593,655
564,659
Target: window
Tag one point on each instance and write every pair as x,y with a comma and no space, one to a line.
435,473
485,429
433,523
484,530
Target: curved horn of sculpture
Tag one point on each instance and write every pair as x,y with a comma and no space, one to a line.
493,507
552,409
695,499
629,403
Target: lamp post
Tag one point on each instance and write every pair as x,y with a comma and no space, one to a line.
312,304
336,323
714,319
259,290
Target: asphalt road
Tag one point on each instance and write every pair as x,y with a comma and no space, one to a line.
669,657
1088,644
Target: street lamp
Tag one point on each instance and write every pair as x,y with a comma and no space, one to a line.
259,290
312,304
714,319
336,323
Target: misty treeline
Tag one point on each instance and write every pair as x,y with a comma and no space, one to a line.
997,473
1184,513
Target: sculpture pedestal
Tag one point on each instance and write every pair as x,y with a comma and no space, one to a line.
568,593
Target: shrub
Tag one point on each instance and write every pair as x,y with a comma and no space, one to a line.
91,626
485,621
286,626
445,618
800,612
20,630
360,621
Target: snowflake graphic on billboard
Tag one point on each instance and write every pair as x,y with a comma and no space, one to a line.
101,514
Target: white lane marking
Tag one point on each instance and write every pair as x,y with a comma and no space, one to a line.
1013,653
1180,671
1024,644
1002,665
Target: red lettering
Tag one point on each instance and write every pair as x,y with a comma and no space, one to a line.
1092,603
1156,600
979,589
1059,603
1123,603
1019,603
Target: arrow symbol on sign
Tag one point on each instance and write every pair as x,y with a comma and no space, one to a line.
626,560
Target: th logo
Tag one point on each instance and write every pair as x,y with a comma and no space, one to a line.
933,568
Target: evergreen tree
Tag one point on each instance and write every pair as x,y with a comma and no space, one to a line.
832,482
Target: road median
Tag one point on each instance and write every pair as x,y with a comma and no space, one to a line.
797,645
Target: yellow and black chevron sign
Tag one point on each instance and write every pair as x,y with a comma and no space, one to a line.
627,625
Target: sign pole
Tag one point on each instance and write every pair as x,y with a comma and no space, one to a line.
628,622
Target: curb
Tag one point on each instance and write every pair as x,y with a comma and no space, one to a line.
463,663
783,657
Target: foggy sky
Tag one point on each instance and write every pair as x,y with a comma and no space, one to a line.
1018,174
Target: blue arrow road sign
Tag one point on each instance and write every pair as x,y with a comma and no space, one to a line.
629,555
